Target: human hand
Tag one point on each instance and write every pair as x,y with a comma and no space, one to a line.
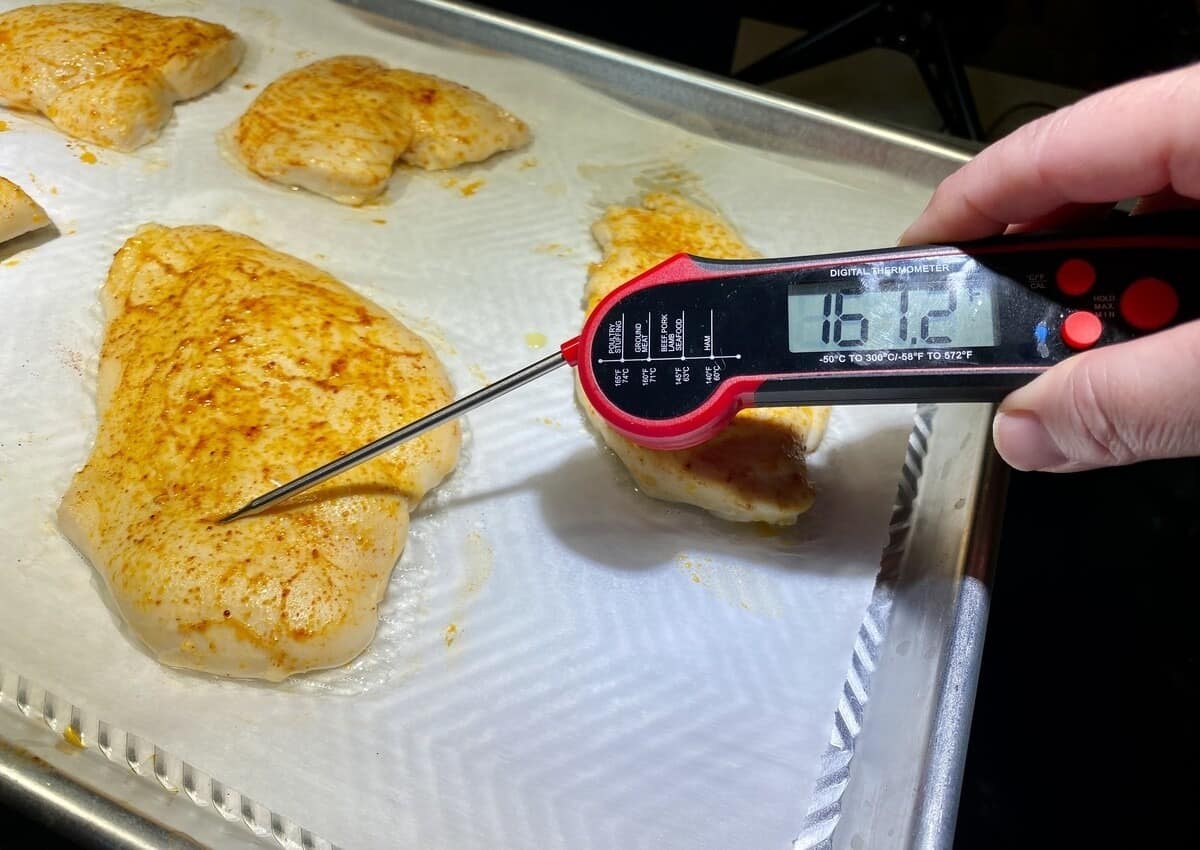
1123,403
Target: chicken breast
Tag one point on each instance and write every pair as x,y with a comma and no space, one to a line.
19,214
107,74
753,470
228,368
337,127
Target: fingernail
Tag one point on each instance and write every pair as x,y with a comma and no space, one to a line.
1024,442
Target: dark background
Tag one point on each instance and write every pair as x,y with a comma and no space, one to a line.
1084,728
1086,44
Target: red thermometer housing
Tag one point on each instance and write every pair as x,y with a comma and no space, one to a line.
670,357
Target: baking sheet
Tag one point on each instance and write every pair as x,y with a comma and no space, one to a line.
620,673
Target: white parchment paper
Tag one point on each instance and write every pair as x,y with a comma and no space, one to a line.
561,662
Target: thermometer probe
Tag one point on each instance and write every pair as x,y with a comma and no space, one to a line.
668,358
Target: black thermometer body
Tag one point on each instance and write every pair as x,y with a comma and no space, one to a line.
671,356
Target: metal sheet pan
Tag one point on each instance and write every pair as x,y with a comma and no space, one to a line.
893,768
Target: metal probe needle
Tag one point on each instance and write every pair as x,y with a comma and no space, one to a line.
413,429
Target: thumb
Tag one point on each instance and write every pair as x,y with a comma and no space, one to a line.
1120,404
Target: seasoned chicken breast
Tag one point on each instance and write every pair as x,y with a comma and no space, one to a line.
227,369
19,214
107,74
753,470
337,127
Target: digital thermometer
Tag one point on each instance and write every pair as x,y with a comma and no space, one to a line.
670,357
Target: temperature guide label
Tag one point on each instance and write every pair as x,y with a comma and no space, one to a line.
670,334
616,338
641,337
682,344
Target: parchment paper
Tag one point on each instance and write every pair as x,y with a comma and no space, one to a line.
561,662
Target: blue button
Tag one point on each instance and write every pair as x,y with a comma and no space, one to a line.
1040,333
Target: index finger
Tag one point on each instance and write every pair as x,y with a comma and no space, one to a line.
1132,140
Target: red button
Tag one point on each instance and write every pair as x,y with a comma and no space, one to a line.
1149,303
1081,329
1075,277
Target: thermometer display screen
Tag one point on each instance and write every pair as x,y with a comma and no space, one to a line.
844,316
